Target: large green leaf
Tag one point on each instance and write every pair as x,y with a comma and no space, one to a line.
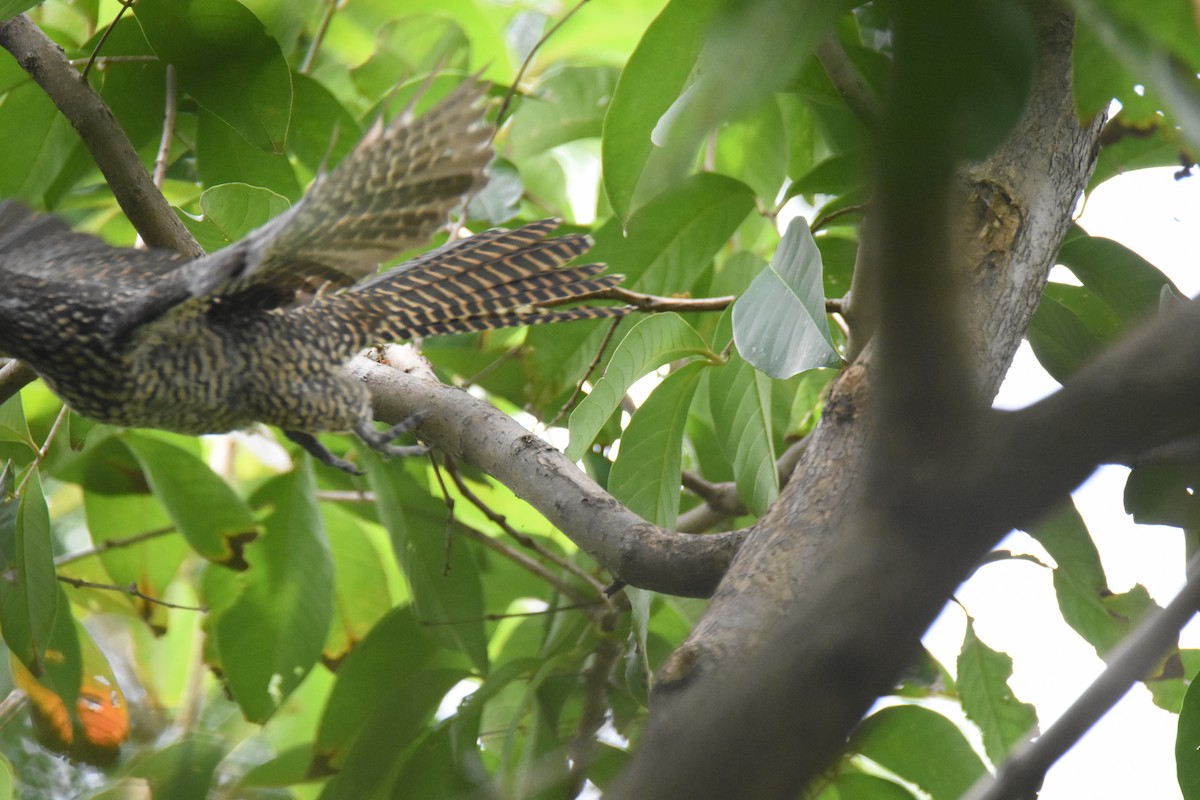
10,8
1187,743
645,476
216,45
222,156
183,770
922,747
779,324
231,210
1127,283
361,594
445,583
29,600
568,104
387,670
38,140
272,634
1060,339
1101,617
987,699
209,514
651,343
740,398
653,78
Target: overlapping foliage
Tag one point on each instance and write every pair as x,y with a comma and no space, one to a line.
384,635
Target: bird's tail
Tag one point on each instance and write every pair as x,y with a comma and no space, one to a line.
495,279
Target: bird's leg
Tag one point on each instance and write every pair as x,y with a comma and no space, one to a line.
382,440
320,452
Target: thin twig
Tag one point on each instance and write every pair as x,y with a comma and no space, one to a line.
596,679
587,373
846,79
331,8
113,544
530,565
429,623
522,539
437,473
14,376
346,496
130,589
512,89
1127,663
163,157
125,6
44,449
483,373
705,516
824,220
650,302
103,60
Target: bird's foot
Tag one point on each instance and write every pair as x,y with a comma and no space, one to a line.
320,452
382,440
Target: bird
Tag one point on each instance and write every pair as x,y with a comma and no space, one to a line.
259,331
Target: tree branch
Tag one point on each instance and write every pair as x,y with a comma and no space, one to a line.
631,549
131,184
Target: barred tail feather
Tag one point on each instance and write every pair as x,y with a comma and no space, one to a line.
492,280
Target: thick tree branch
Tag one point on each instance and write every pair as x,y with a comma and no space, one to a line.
131,184
632,549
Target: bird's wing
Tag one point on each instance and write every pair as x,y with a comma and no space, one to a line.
45,247
391,193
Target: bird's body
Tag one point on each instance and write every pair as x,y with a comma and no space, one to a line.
259,332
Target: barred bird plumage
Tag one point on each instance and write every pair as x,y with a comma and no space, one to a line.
259,331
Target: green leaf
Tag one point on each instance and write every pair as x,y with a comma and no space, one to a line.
987,699
1127,283
10,8
29,600
215,46
1164,494
645,476
653,78
183,770
652,342
568,104
231,210
669,244
922,747
209,514
150,565
387,669
1187,743
1101,617
445,585
7,778
740,401
38,140
272,634
849,785
1060,339
755,147
224,157
779,324
361,594
1147,43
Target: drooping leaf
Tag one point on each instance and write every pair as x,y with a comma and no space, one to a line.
779,324
218,44
209,514
652,342
29,600
987,699
446,591
272,634
360,585
568,104
1060,339
922,747
1127,283
653,78
645,476
1164,494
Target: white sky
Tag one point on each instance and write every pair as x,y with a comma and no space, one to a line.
1130,753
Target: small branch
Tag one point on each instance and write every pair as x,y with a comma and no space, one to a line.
113,544
131,184
130,589
650,302
530,565
529,60
522,539
345,496
596,680
125,6
587,373
44,449
1130,661
722,500
310,56
163,157
14,376
824,220
846,79
429,623
634,550
105,60
720,497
